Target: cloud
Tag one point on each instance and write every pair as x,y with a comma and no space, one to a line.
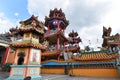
5,23
112,18
41,8
16,14
87,17
91,36
80,13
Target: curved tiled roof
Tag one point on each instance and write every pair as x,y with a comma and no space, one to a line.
95,56
28,44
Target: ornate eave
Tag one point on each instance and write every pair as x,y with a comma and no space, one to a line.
30,20
74,49
30,29
113,42
49,53
55,35
27,44
58,18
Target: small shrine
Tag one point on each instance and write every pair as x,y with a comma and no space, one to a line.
27,51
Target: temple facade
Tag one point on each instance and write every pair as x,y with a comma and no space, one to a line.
59,54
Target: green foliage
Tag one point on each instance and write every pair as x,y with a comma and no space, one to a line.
87,48
6,67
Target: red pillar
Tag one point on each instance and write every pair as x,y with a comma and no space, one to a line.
27,63
48,28
58,39
5,56
48,32
58,57
63,31
58,25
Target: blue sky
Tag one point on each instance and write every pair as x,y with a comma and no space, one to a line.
87,17
12,7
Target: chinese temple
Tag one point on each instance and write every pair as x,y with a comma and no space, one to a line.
34,45
27,51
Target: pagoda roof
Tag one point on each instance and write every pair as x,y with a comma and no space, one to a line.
14,32
114,40
72,34
56,14
73,37
32,24
27,44
30,20
74,40
95,56
5,37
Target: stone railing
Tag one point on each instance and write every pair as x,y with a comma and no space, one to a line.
51,32
52,47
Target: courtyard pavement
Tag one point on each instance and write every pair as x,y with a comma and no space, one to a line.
4,75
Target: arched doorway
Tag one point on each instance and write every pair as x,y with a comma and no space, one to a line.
20,60
21,56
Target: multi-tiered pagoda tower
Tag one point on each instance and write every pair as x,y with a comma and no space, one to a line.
74,41
55,35
27,52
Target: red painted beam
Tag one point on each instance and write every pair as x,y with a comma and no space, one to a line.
5,56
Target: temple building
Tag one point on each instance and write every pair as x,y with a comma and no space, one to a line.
4,48
27,50
73,42
58,54
55,35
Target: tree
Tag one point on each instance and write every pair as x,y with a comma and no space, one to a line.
87,48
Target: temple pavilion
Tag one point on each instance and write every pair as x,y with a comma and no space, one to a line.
27,50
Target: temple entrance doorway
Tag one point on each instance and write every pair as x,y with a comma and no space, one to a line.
0,59
20,60
2,53
21,56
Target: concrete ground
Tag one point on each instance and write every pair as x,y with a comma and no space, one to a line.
4,75
67,77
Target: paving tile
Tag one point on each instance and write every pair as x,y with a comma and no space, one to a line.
4,75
